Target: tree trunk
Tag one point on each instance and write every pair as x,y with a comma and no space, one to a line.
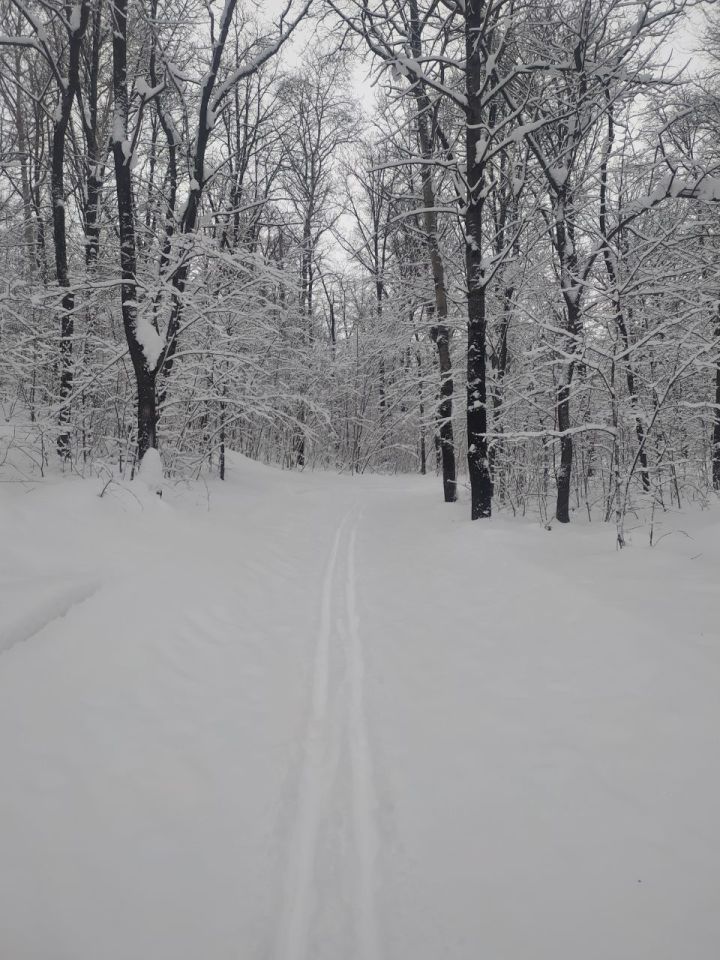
562,508
481,490
67,304
145,375
447,441
716,426
147,411
440,332
564,238
66,94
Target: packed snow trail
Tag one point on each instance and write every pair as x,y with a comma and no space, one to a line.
338,622
295,922
364,800
308,717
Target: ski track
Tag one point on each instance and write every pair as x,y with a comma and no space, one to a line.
334,716
363,794
294,928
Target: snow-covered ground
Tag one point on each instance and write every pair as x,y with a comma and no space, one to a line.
308,717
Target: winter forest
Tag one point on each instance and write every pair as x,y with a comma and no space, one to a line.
478,241
290,294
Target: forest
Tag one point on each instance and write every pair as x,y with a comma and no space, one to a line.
391,237
291,292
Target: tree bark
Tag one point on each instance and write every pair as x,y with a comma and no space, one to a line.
564,238
447,441
716,422
145,375
481,489
440,331
564,474
68,88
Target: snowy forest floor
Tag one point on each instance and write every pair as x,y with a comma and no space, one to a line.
308,717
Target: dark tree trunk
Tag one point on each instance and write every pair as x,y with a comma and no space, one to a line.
481,490
564,238
147,412
564,474
223,434
67,304
716,426
96,152
66,93
440,332
445,426
145,375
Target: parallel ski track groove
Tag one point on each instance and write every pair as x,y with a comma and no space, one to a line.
363,794
320,764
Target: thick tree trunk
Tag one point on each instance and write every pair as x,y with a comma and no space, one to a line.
481,490
145,374
147,412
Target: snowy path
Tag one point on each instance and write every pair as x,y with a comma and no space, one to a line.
318,718
334,713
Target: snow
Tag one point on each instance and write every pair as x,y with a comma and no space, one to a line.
559,173
150,340
75,18
709,189
309,717
150,473
480,148
118,128
143,89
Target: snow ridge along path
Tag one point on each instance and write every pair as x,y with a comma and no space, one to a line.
332,713
41,609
